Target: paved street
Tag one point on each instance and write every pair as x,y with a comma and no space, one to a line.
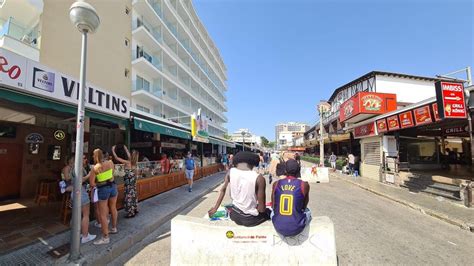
369,230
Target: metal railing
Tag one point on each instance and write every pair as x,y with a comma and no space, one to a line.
14,29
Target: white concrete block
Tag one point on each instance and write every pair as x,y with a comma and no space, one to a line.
197,241
321,176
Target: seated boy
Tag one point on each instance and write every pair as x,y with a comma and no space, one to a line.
247,191
290,199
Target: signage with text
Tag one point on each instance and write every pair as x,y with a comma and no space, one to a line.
364,130
456,130
367,103
434,106
382,125
450,99
422,115
406,119
392,123
29,76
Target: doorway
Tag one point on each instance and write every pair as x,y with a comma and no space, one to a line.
10,172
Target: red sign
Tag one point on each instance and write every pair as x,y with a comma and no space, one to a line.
435,111
367,103
450,99
422,115
382,125
406,119
364,131
392,123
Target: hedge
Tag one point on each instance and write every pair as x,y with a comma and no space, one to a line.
339,162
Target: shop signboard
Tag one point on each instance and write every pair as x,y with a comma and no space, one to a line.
456,130
173,145
406,119
392,123
199,128
366,104
434,106
382,125
422,115
28,76
364,130
450,99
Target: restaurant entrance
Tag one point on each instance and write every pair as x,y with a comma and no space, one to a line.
10,183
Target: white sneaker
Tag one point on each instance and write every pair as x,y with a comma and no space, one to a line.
88,238
102,241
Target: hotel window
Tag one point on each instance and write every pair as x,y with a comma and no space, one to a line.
143,109
127,72
127,42
127,10
142,84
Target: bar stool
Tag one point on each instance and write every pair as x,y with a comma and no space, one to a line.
66,207
45,191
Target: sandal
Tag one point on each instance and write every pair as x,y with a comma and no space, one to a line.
113,231
102,241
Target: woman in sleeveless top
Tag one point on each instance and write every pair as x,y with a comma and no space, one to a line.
130,179
102,178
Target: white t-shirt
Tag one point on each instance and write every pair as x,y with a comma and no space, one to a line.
351,159
242,190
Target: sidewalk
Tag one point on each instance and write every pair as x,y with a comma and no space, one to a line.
153,213
444,210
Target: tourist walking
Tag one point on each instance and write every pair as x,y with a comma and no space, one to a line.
102,178
190,166
130,201
225,162
332,160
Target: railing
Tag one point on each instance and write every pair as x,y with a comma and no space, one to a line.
156,90
155,61
14,29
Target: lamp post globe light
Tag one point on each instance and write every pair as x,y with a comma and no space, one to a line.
85,19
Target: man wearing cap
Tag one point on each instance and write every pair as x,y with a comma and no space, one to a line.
290,197
247,191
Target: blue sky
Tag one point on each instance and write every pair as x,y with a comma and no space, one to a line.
283,57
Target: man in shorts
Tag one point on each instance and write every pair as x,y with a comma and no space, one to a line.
189,163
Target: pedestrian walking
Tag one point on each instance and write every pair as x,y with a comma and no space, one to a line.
231,160
102,178
225,162
351,160
165,164
190,166
130,201
332,160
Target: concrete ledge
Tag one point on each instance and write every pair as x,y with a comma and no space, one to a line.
321,176
197,241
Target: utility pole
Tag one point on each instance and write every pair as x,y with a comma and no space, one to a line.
323,108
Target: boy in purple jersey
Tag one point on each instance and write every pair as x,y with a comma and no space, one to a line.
290,199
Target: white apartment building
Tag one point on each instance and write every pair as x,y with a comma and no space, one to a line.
248,137
176,67
285,132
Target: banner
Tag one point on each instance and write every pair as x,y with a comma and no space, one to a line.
450,99
28,76
199,128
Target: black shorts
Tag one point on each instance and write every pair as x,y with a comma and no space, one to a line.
248,220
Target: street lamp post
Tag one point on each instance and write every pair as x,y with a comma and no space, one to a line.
86,20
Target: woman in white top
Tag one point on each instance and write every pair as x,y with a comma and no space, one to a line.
247,190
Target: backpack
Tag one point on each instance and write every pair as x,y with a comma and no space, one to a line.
189,164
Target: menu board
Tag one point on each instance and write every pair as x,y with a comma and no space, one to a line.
422,115
392,123
434,106
382,126
406,119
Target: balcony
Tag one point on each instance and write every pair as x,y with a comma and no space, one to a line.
147,35
20,39
146,63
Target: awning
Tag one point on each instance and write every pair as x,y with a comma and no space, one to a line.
217,141
145,125
60,107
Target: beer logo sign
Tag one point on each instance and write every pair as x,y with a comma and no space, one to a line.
372,102
349,108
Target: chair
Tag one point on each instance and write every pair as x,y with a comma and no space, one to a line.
66,207
45,191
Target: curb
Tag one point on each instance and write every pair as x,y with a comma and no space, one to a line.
112,252
440,216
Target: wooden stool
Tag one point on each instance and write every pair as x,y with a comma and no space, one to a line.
45,191
66,206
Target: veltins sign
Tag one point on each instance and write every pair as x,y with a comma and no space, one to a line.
29,76
450,99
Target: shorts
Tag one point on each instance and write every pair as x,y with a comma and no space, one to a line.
108,191
248,220
84,196
333,164
189,174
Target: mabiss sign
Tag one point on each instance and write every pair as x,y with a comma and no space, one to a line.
25,75
450,99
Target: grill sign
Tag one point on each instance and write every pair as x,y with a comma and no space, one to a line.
450,99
